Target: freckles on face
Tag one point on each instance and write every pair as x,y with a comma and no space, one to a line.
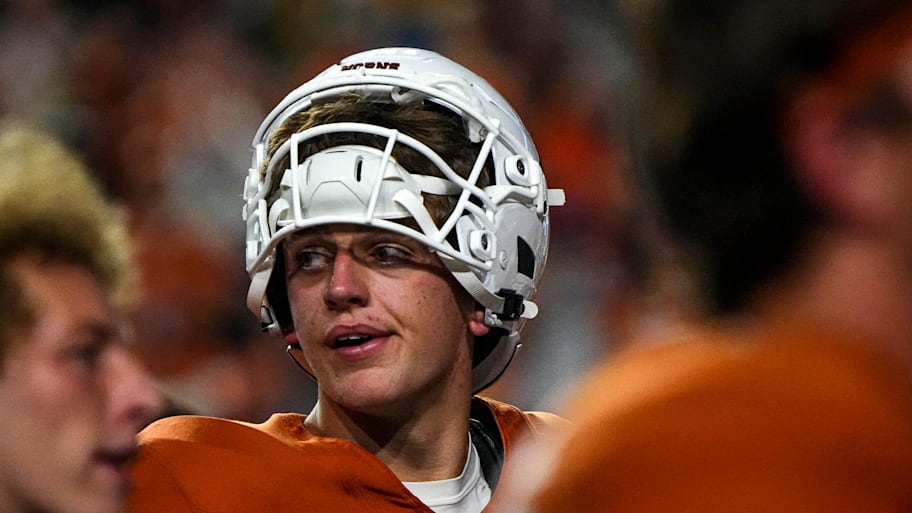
375,310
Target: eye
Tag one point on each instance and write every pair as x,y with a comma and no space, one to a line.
391,254
87,356
312,258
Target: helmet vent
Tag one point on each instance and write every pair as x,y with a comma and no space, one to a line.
525,258
359,164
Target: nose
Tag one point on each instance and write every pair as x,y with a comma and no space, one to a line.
347,286
134,399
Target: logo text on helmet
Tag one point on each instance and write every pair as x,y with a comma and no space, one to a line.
371,65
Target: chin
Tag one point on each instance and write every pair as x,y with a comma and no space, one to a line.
99,500
91,503
367,399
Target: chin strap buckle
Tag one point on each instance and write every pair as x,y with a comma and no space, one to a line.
513,305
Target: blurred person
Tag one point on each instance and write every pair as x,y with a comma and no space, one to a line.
397,221
778,137
72,397
190,326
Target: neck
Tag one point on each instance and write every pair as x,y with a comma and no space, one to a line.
427,443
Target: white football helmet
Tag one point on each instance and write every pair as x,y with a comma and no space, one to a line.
501,231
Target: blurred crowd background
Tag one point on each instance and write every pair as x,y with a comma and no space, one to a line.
162,97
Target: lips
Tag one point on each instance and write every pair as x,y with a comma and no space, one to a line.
356,343
118,457
115,461
351,341
352,336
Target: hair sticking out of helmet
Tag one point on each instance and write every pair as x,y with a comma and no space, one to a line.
493,239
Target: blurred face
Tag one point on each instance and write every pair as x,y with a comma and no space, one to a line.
71,398
854,138
381,322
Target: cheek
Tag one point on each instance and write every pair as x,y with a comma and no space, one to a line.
304,304
440,308
39,387
47,413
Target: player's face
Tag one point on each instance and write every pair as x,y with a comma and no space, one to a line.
381,322
71,398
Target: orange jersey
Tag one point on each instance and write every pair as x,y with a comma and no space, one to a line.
193,464
781,421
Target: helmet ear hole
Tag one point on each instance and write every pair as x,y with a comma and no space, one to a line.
525,258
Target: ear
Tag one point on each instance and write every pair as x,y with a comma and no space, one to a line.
838,165
477,326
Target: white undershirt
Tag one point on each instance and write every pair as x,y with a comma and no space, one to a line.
468,493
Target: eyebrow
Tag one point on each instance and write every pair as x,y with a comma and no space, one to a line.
99,329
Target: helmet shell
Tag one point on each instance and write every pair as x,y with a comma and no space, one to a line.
501,231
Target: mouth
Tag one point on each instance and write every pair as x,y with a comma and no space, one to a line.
351,341
115,459
353,335
354,342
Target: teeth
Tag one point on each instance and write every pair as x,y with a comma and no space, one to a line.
351,340
352,337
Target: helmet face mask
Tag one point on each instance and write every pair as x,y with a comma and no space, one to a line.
494,241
